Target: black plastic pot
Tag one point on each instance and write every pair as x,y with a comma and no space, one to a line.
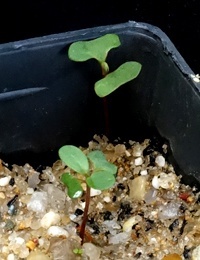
47,101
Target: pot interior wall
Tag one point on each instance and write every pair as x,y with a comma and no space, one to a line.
47,101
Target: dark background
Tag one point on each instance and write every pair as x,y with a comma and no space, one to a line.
179,19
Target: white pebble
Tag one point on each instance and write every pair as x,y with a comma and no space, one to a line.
30,190
164,180
4,181
11,257
72,217
155,182
94,192
38,201
160,161
143,172
107,199
138,161
196,253
19,240
49,219
128,224
56,231
5,250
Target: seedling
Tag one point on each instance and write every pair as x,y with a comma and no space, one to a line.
98,49
92,169
78,251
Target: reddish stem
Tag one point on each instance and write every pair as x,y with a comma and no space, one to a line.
106,116
85,215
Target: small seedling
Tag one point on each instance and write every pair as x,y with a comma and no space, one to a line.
78,251
98,49
92,169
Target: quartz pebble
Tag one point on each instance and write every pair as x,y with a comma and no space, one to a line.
169,210
128,224
121,237
164,180
56,231
11,257
160,161
38,255
38,201
137,188
49,219
91,251
196,253
138,161
94,192
4,181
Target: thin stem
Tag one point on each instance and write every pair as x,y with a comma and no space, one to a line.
105,71
106,116
85,215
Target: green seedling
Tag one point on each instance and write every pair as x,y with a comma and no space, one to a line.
98,49
92,169
78,251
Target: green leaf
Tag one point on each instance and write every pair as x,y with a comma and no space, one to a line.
101,180
126,72
73,185
97,48
74,158
100,163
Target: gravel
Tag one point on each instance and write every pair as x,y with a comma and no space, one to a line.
148,214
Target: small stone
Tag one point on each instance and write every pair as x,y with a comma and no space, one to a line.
107,199
2,195
11,257
30,190
31,245
164,180
196,253
172,257
137,150
56,231
19,240
91,251
99,205
37,255
4,181
49,219
119,238
138,161
129,223
24,253
34,180
94,192
160,161
144,172
137,188
38,201
155,182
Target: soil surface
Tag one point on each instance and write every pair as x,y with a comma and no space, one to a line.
148,214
